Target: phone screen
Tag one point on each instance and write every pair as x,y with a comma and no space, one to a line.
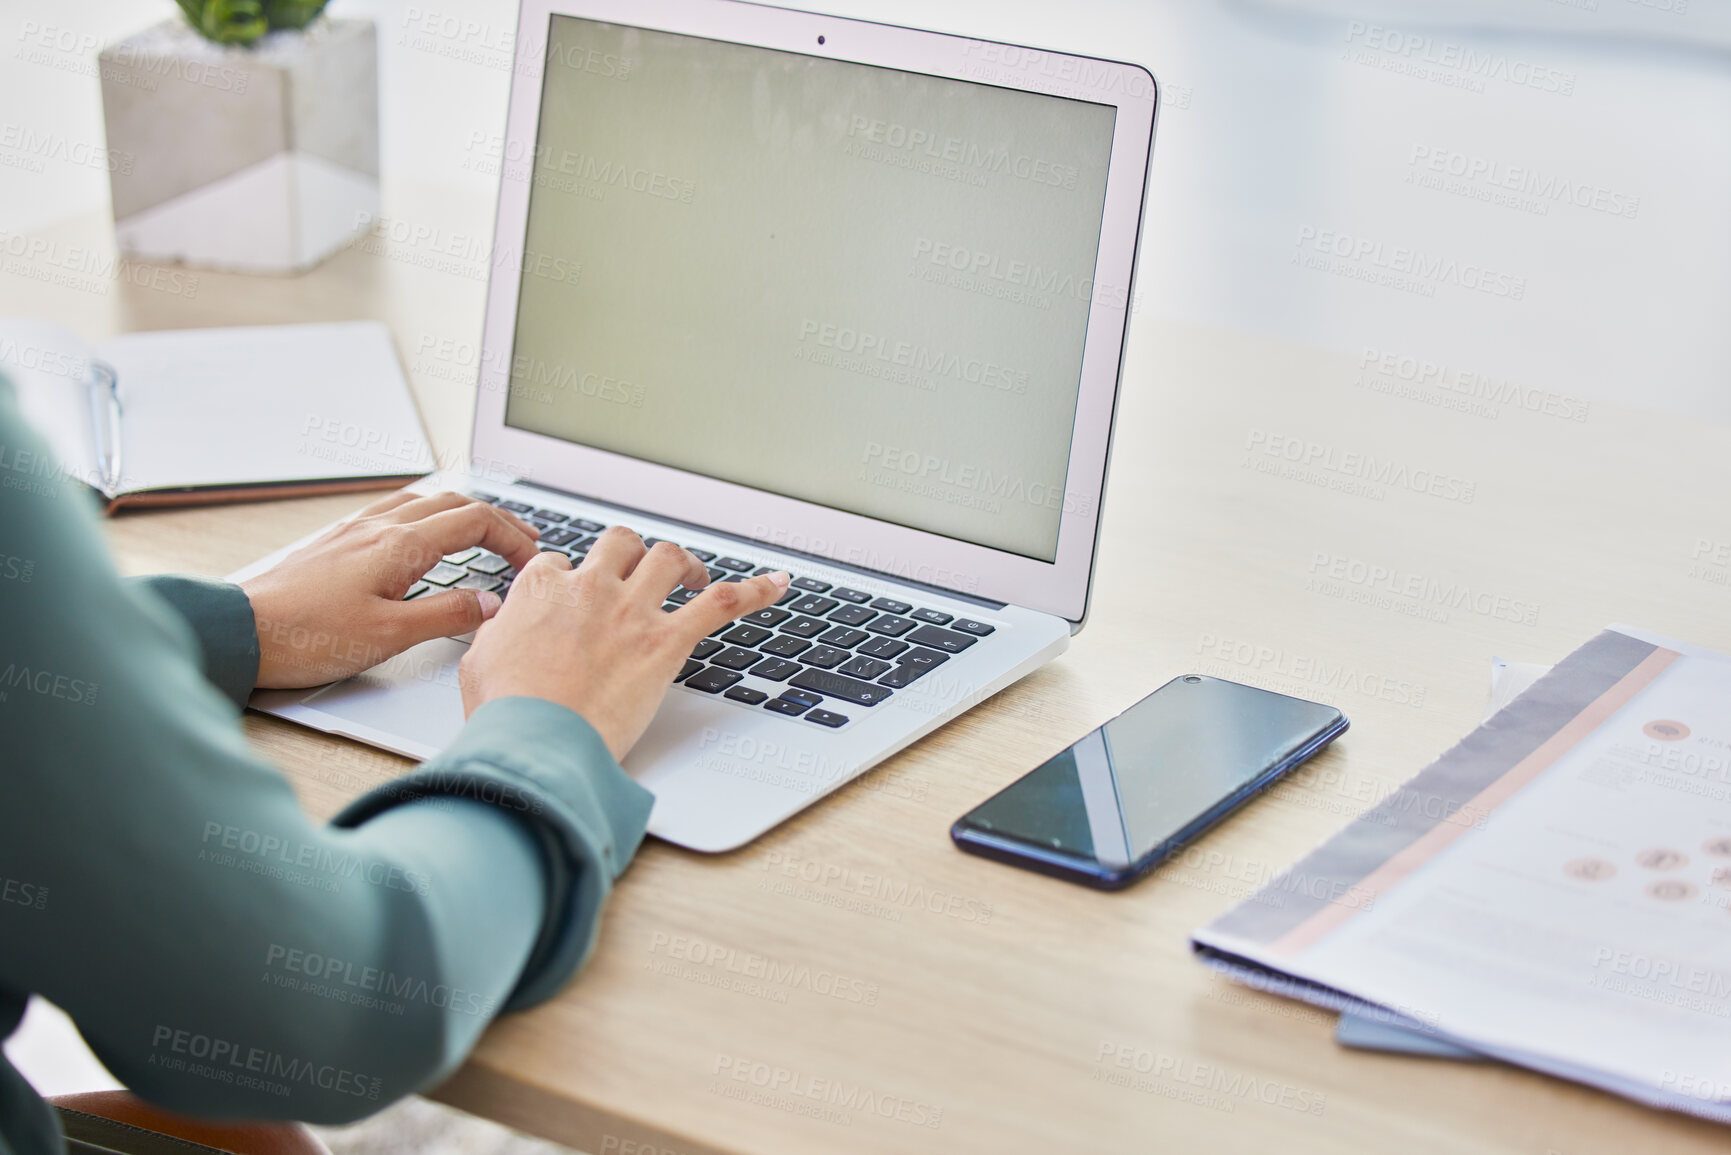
1152,778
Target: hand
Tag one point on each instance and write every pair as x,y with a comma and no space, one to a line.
336,607
596,639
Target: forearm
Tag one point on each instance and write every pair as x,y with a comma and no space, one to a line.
196,915
370,958
547,765
375,962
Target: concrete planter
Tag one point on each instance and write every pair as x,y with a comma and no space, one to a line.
261,160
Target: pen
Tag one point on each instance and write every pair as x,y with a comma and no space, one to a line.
104,387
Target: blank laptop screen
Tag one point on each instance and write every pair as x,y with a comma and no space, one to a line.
852,285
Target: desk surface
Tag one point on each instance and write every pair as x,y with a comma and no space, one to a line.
855,945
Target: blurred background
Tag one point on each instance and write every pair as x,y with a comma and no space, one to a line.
1576,151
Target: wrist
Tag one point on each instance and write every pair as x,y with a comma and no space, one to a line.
291,654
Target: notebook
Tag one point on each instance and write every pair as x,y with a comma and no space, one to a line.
206,415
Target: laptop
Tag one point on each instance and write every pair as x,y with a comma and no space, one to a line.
804,293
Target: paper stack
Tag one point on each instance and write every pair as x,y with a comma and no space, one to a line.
1554,891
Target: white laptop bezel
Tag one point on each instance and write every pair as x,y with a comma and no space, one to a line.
1059,587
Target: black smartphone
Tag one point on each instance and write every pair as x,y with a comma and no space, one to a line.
1143,786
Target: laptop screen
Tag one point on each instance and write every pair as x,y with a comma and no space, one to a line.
846,284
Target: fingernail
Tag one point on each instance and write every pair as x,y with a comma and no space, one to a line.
490,603
779,578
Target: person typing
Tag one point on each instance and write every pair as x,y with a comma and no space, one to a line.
177,891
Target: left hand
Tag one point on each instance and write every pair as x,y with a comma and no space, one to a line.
335,608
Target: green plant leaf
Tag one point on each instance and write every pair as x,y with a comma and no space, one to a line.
293,13
227,21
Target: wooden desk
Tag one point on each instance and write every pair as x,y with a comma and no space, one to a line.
855,945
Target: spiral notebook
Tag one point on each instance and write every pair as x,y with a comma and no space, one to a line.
210,415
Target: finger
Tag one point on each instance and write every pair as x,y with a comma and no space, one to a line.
422,505
667,566
516,521
470,525
513,519
545,560
419,508
724,601
616,553
546,578
443,615
386,504
551,557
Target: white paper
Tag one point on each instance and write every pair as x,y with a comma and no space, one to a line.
216,407
1505,907
49,368
1366,1033
1580,926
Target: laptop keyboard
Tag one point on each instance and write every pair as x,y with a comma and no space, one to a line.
828,648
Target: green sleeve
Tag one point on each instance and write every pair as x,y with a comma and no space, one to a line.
221,620
221,953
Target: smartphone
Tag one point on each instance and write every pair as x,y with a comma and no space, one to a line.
1147,783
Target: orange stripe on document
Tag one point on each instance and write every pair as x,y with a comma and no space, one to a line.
1438,838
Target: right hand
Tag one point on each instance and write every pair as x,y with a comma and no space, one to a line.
596,639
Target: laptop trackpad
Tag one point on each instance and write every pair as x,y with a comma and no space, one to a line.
414,695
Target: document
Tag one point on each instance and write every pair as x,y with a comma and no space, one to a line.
1377,1033
1554,891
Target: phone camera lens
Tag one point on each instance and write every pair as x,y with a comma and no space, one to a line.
820,40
